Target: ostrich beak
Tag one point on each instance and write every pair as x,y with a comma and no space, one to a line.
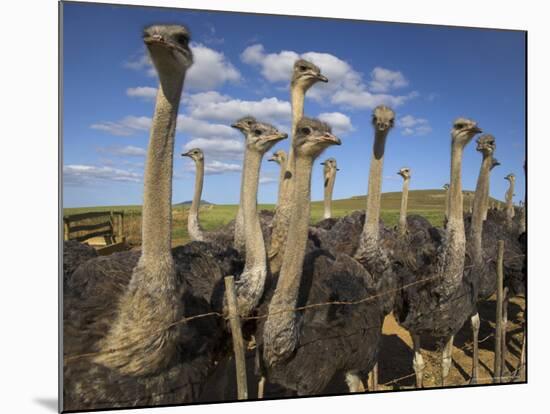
322,78
237,126
323,163
331,139
186,154
277,137
476,130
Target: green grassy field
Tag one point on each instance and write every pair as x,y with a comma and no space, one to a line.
428,203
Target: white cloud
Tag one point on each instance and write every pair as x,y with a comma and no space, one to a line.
216,149
414,126
228,110
275,66
364,99
200,128
340,123
76,174
128,150
346,86
218,167
125,127
265,179
384,80
143,92
210,68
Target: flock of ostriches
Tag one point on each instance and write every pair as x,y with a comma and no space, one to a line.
123,343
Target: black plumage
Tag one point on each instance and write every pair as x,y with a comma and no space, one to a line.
90,307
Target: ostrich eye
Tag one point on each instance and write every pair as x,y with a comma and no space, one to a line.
306,131
182,39
459,126
257,132
303,68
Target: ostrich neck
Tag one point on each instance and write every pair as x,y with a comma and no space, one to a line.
329,187
509,200
282,214
251,284
157,191
239,238
297,97
456,241
193,218
280,332
478,212
369,238
282,171
403,211
151,300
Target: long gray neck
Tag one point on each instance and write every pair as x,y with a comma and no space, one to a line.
193,224
136,343
251,284
239,237
455,248
280,332
329,187
283,212
370,235
282,171
482,188
509,201
157,189
403,211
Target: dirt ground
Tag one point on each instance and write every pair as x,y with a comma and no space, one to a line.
395,360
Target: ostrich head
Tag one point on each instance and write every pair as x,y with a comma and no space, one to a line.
445,186
262,137
313,137
405,172
244,124
486,144
195,154
330,165
383,118
168,47
510,177
305,74
278,156
464,130
495,163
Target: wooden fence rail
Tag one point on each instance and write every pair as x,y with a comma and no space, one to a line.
106,235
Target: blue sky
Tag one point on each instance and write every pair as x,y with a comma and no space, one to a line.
429,75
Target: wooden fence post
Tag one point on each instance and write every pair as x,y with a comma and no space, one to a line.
238,343
497,371
65,229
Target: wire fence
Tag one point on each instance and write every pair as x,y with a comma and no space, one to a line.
369,298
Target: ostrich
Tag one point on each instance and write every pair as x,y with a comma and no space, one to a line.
510,213
329,174
122,344
404,172
305,75
295,345
193,224
244,125
487,198
280,158
483,270
223,236
250,285
74,254
439,306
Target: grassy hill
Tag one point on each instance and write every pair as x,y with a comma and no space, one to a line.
428,203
